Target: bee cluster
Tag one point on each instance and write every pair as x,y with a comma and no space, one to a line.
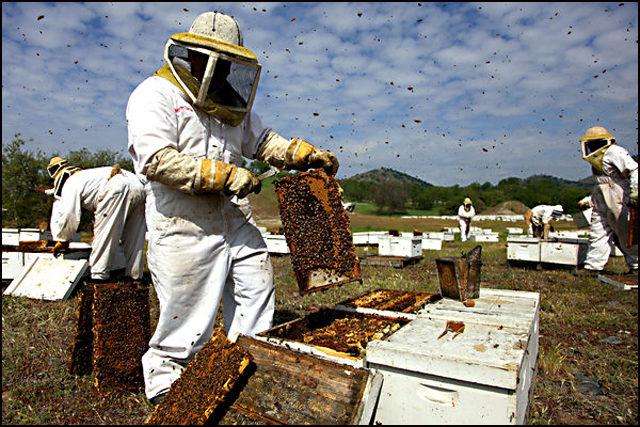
112,333
317,230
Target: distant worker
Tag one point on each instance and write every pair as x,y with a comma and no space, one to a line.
538,220
116,197
190,126
614,195
465,213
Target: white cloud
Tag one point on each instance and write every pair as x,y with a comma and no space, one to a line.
542,61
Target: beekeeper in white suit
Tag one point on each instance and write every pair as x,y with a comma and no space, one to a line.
190,125
465,213
616,188
116,197
537,221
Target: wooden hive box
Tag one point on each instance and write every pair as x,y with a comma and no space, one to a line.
391,300
204,384
317,230
112,334
287,387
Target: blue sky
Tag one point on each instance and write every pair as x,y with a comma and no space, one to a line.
452,93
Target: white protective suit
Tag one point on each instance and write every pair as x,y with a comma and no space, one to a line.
201,247
541,215
464,220
610,215
118,207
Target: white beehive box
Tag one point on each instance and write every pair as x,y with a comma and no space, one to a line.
33,234
514,230
488,237
497,307
360,238
449,237
276,244
452,229
374,236
49,279
431,244
12,264
582,219
482,376
435,235
523,248
10,237
564,251
400,246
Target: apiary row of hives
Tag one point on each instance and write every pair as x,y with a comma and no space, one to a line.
482,374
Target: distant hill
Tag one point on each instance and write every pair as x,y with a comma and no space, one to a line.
380,175
585,182
511,207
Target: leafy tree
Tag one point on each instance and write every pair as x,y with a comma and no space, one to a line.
390,196
22,172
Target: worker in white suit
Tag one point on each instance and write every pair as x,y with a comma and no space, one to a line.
466,212
615,192
190,125
537,221
116,197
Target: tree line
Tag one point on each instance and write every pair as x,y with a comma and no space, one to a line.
24,170
393,196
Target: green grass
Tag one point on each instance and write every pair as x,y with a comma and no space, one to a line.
576,313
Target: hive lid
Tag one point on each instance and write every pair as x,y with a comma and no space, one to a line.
481,354
522,239
48,278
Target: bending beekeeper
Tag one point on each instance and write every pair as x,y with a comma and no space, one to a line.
616,189
465,213
538,220
190,125
116,197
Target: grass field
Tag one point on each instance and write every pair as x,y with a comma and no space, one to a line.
576,315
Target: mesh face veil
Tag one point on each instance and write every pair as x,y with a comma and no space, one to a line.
221,83
595,143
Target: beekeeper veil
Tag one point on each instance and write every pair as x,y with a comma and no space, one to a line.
595,143
211,66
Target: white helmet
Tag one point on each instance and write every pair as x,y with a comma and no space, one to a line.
213,68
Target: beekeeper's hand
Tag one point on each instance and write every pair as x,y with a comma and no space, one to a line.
325,160
242,182
197,176
59,247
296,154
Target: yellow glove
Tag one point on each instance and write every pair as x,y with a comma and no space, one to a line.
242,182
303,156
59,247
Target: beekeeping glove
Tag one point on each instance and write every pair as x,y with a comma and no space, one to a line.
199,176
296,154
59,247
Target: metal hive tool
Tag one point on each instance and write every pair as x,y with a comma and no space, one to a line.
317,230
112,332
204,384
459,278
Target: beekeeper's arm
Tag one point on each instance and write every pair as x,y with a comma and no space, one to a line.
153,136
295,154
65,214
628,167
